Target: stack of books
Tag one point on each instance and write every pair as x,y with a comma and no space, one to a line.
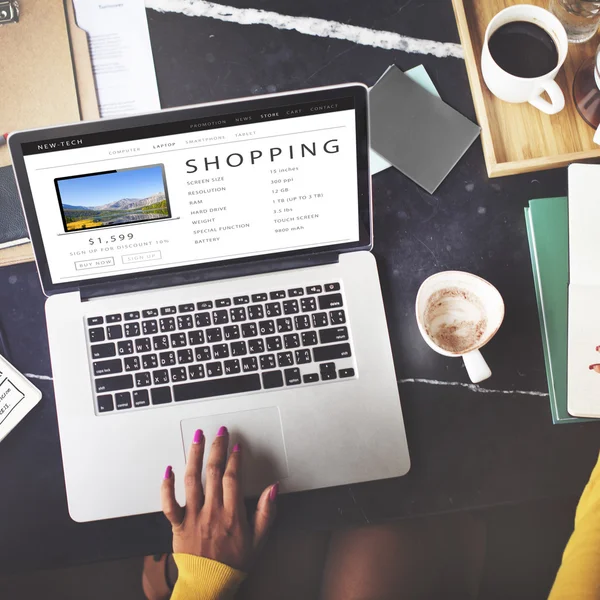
547,222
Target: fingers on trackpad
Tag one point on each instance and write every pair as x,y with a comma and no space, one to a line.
260,434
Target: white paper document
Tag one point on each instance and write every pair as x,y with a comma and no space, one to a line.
121,55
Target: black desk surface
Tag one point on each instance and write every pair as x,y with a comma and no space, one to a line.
470,447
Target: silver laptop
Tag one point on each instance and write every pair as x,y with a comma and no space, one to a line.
210,266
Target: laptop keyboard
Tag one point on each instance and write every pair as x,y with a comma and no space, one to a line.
200,350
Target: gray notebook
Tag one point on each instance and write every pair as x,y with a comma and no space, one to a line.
418,133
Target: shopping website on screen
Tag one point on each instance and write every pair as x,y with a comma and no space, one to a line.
202,190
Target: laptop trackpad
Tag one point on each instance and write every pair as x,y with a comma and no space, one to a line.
259,432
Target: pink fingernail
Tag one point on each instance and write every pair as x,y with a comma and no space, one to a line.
222,431
236,448
197,436
168,472
273,493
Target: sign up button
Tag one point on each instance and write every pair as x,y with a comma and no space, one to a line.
129,259
95,263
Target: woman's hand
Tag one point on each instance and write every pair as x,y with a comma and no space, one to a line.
213,524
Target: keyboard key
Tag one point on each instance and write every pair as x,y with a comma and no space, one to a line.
113,318
219,387
259,297
202,353
143,345
202,319
223,302
196,371
103,350
237,314
310,378
149,327
267,361
231,332
214,335
346,373
151,312
105,403
284,324
285,359
272,379
132,363
277,295
167,359
266,327
256,346
337,317
185,322
125,347
95,321
238,348
274,343
332,287
110,384
178,374
185,356
335,334
108,367
308,304
123,400
131,316
214,369
302,322
320,319
314,289
168,310
159,377
160,342
292,377
161,395
96,334
220,317
302,356
256,312
141,398
249,330
290,307
241,300
273,309
330,301
114,332
328,371
249,364
309,338
331,352
220,350
149,361
196,338
178,340
131,329
142,379
206,304
295,292
291,341
185,308
167,324
232,367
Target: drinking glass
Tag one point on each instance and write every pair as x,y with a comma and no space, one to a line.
580,18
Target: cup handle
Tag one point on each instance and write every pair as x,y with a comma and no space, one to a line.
597,136
476,366
557,98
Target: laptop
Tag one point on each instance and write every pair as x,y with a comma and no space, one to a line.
206,266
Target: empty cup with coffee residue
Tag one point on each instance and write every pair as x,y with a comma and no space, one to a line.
458,313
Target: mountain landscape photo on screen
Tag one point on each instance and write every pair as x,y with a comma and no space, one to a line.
113,198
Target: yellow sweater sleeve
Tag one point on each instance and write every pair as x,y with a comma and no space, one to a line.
204,579
579,574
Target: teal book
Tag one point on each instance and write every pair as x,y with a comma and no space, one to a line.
548,233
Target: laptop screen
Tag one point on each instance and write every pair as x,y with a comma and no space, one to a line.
252,182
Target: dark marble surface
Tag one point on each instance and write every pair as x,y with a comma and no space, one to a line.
469,449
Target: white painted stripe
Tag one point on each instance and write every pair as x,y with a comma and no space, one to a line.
34,376
387,40
475,388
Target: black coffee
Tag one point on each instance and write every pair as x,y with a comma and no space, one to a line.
523,49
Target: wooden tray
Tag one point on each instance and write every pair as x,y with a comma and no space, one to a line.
518,138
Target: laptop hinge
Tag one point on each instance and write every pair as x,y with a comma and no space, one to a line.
150,281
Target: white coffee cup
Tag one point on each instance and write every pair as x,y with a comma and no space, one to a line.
511,88
458,313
